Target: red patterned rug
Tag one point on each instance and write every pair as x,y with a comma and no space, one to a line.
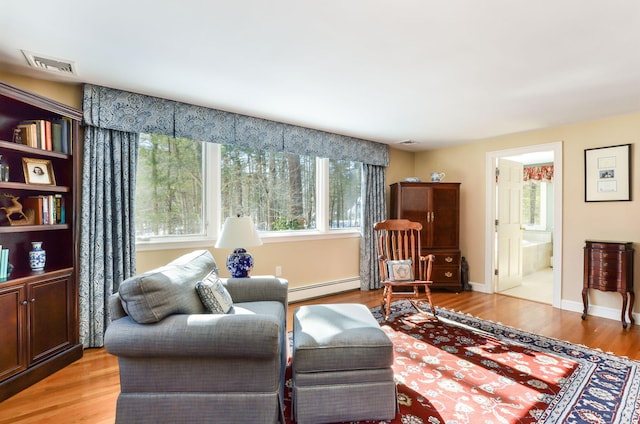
465,370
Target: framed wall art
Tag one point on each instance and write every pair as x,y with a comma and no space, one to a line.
607,174
38,171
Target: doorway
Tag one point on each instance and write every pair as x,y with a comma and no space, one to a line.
524,222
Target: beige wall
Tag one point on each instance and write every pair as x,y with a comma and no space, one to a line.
401,166
68,94
303,262
581,220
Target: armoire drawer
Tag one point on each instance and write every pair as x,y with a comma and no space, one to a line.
445,258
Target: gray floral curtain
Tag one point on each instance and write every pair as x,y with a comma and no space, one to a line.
374,209
107,231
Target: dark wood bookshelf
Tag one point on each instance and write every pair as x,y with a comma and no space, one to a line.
39,324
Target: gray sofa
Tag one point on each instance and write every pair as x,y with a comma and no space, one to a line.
179,363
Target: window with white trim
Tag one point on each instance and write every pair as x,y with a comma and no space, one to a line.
185,188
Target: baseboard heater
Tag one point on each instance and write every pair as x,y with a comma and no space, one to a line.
297,294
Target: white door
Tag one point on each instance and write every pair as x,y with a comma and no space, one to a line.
508,227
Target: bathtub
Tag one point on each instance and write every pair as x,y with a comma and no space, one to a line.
537,251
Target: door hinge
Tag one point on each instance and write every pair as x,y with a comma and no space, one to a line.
495,271
497,222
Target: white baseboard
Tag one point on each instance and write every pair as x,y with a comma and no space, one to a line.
569,305
297,294
479,287
597,311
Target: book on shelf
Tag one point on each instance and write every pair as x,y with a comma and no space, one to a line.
37,141
47,135
4,263
28,134
67,139
35,203
54,135
48,210
60,208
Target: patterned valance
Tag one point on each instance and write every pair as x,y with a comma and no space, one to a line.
131,112
538,173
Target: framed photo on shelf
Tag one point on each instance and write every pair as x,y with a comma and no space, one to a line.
607,174
38,171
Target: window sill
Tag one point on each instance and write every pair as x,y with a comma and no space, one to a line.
267,238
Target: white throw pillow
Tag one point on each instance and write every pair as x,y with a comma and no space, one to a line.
400,270
214,295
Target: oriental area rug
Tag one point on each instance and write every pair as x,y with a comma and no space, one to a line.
462,369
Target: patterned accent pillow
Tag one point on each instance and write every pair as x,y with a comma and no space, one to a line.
400,270
214,295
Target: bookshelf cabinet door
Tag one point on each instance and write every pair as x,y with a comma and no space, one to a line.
13,358
50,316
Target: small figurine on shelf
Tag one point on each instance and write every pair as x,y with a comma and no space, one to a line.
23,217
15,209
18,136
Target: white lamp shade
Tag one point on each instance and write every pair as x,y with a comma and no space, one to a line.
238,231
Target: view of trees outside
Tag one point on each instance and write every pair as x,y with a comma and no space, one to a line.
345,179
531,203
169,186
278,190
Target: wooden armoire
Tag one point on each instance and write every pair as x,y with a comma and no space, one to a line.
437,207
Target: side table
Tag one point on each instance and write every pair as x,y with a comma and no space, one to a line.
608,266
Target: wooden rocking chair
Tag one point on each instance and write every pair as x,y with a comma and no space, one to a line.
403,270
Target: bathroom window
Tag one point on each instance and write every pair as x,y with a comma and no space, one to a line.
534,205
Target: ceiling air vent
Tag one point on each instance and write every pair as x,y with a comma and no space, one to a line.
50,64
407,142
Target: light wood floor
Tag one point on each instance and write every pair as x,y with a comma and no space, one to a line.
86,391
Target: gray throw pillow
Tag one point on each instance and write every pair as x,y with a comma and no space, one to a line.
214,295
156,294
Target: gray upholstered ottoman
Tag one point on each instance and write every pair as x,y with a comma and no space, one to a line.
341,365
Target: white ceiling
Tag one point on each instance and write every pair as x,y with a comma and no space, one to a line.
433,72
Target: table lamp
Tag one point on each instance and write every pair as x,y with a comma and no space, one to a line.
239,231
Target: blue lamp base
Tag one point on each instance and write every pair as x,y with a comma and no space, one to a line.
239,263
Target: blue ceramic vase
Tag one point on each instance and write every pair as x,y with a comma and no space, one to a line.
239,263
37,256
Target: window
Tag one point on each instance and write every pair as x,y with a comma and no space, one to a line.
534,205
169,187
344,193
278,190
182,184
